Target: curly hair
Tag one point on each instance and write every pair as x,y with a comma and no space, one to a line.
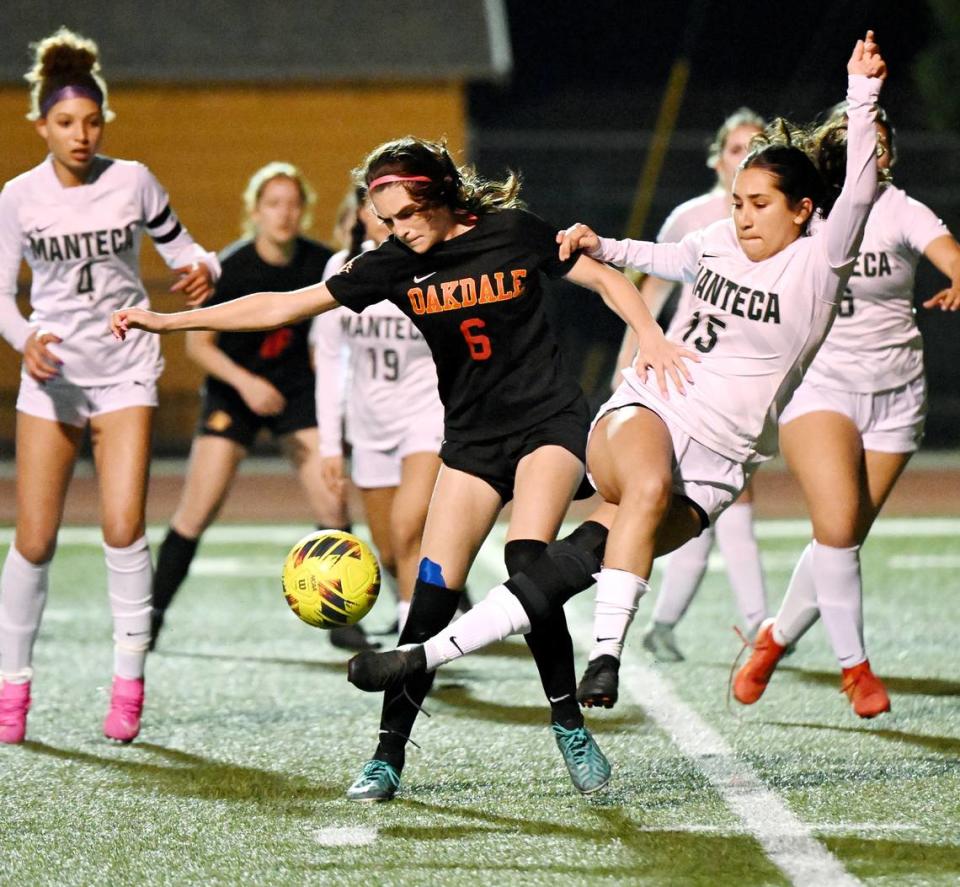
65,58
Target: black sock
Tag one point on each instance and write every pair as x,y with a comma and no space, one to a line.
173,563
347,527
431,609
550,644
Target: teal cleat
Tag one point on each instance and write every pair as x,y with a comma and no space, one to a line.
589,769
378,781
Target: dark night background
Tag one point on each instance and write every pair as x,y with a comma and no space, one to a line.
576,115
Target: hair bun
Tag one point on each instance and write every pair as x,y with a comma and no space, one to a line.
63,56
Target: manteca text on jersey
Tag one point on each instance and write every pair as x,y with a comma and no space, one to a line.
365,326
467,292
83,245
741,301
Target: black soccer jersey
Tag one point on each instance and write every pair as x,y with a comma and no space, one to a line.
478,301
281,356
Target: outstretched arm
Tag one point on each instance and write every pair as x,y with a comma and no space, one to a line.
844,226
665,358
944,253
260,311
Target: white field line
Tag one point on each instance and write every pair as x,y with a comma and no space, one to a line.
345,836
787,841
924,562
248,568
287,534
837,828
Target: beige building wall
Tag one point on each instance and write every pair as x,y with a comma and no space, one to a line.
203,145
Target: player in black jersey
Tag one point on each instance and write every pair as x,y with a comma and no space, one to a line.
464,263
254,381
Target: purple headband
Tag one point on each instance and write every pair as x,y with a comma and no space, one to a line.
71,91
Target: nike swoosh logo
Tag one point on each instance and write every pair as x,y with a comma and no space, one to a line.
425,276
559,698
601,640
40,228
708,256
136,634
453,640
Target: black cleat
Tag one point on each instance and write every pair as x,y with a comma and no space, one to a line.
352,637
600,682
374,672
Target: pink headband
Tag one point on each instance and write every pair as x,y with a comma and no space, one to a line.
386,180
71,91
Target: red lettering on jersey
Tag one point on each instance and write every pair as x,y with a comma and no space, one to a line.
502,294
276,343
486,291
415,295
450,302
518,275
433,300
468,292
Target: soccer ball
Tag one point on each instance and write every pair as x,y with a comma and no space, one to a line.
331,578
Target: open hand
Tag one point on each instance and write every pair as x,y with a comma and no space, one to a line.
38,360
945,300
196,283
578,237
667,360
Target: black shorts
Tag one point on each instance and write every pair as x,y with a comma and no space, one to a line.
223,413
495,460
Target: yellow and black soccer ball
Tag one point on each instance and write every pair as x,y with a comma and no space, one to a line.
331,578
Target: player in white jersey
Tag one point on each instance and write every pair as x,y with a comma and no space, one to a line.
77,220
852,426
394,417
686,567
668,463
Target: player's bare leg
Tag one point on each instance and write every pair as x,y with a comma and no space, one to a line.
844,488
46,454
303,450
121,452
630,454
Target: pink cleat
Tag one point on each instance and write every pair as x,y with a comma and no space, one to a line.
126,704
14,705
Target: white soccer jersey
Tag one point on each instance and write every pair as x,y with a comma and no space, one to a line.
874,344
686,218
756,325
83,248
392,376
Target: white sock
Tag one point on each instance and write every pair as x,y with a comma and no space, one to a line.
741,555
618,593
682,578
799,608
403,610
836,573
129,581
499,615
23,594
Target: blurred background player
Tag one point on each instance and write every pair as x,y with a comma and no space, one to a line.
733,531
254,381
77,219
464,264
855,421
394,417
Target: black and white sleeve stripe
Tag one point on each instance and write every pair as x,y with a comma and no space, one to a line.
164,226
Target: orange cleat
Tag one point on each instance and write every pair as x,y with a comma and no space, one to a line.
865,690
755,673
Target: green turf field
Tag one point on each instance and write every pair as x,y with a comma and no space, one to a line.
251,734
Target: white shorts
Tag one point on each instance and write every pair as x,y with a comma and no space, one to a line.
888,421
710,481
372,468
71,404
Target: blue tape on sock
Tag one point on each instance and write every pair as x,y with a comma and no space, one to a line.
431,572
